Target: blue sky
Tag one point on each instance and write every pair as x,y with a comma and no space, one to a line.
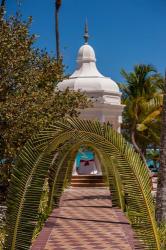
122,32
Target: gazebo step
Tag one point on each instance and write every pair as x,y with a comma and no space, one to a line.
87,184
87,181
89,177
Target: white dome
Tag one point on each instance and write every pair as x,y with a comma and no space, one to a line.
86,77
86,54
95,84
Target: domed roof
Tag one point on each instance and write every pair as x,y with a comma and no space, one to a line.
85,54
89,84
87,77
86,63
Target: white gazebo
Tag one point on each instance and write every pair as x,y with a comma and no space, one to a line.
103,91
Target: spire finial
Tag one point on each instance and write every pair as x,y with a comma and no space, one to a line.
86,35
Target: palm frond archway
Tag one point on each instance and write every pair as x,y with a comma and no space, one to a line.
52,152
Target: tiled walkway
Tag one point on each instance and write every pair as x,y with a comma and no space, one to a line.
85,220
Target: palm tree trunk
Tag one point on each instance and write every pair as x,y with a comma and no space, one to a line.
2,8
161,187
138,150
3,3
57,7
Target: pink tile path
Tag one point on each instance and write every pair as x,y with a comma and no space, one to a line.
85,220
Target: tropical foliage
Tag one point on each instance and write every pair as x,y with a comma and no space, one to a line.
55,149
28,101
142,95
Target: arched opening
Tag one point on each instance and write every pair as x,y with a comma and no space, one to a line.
86,162
62,169
52,152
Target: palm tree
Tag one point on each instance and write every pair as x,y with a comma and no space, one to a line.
57,7
54,150
142,98
2,8
161,187
3,3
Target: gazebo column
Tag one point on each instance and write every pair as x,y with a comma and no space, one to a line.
74,168
98,165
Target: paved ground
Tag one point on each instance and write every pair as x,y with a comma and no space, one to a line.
85,220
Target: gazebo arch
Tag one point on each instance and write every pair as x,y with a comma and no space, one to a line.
53,150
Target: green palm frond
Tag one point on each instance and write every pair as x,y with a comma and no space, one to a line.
155,102
151,111
119,161
148,120
24,195
60,171
114,180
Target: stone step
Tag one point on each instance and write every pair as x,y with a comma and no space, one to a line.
87,176
78,184
87,181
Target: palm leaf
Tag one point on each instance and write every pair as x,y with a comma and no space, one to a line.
24,196
36,158
60,171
